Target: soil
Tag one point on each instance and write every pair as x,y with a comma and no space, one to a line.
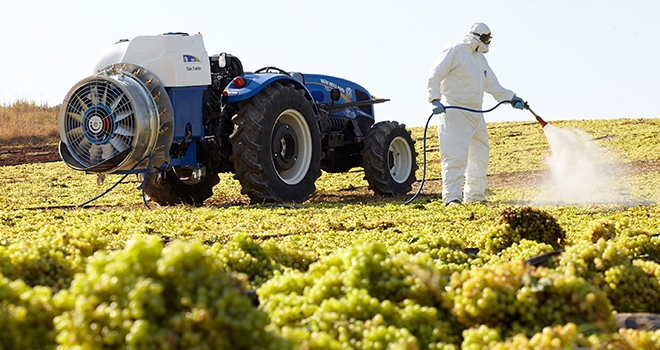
16,155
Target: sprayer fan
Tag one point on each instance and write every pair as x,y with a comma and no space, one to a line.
110,121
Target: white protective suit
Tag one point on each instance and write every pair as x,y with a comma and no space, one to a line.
459,77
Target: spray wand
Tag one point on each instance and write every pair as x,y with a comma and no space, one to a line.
538,118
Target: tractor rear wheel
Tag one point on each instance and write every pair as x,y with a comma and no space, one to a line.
276,145
167,188
389,159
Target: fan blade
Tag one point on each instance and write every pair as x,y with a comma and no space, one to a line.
75,116
121,130
115,103
104,98
121,116
93,94
95,153
75,131
108,151
82,103
119,143
83,145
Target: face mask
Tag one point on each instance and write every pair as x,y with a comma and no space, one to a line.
482,48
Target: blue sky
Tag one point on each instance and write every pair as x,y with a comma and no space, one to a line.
568,59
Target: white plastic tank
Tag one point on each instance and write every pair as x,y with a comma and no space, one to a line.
177,59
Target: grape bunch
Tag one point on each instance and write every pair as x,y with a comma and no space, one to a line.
631,289
26,315
362,297
443,249
608,266
566,336
147,296
290,257
651,268
639,339
590,260
257,262
245,256
515,298
515,224
50,259
598,229
641,244
557,337
518,251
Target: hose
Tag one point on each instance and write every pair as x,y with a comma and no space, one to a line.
421,185
144,199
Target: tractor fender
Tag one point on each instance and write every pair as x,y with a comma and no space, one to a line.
255,82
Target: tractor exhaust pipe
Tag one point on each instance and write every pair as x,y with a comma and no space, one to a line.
538,118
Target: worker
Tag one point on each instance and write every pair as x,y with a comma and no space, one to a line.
459,77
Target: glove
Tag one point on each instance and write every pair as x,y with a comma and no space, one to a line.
517,102
438,107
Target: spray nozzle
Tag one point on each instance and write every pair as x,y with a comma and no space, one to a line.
538,118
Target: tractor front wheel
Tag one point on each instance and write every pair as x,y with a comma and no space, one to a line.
389,159
167,188
276,145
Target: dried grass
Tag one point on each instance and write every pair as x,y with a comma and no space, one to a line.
27,123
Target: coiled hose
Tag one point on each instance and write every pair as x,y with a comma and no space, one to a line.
421,185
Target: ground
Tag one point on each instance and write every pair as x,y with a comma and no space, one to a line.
15,155
36,154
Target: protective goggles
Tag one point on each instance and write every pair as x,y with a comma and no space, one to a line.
484,38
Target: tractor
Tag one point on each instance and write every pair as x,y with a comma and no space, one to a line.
160,107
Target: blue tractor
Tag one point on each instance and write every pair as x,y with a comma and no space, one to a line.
159,106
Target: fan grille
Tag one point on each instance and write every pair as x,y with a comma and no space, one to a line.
99,122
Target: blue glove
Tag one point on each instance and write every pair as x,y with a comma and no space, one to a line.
517,102
438,107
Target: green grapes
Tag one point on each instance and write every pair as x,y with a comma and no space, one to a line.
522,250
50,259
515,224
591,259
566,336
242,255
601,229
26,315
290,257
640,339
147,296
420,290
640,244
556,337
361,298
517,298
629,287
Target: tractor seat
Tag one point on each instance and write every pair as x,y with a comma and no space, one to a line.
298,76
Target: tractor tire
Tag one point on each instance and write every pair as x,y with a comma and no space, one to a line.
165,188
276,145
389,159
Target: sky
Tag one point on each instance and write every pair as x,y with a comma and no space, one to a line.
570,60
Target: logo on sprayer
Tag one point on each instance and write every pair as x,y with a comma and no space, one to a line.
192,59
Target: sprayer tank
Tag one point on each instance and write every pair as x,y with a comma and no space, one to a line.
176,59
